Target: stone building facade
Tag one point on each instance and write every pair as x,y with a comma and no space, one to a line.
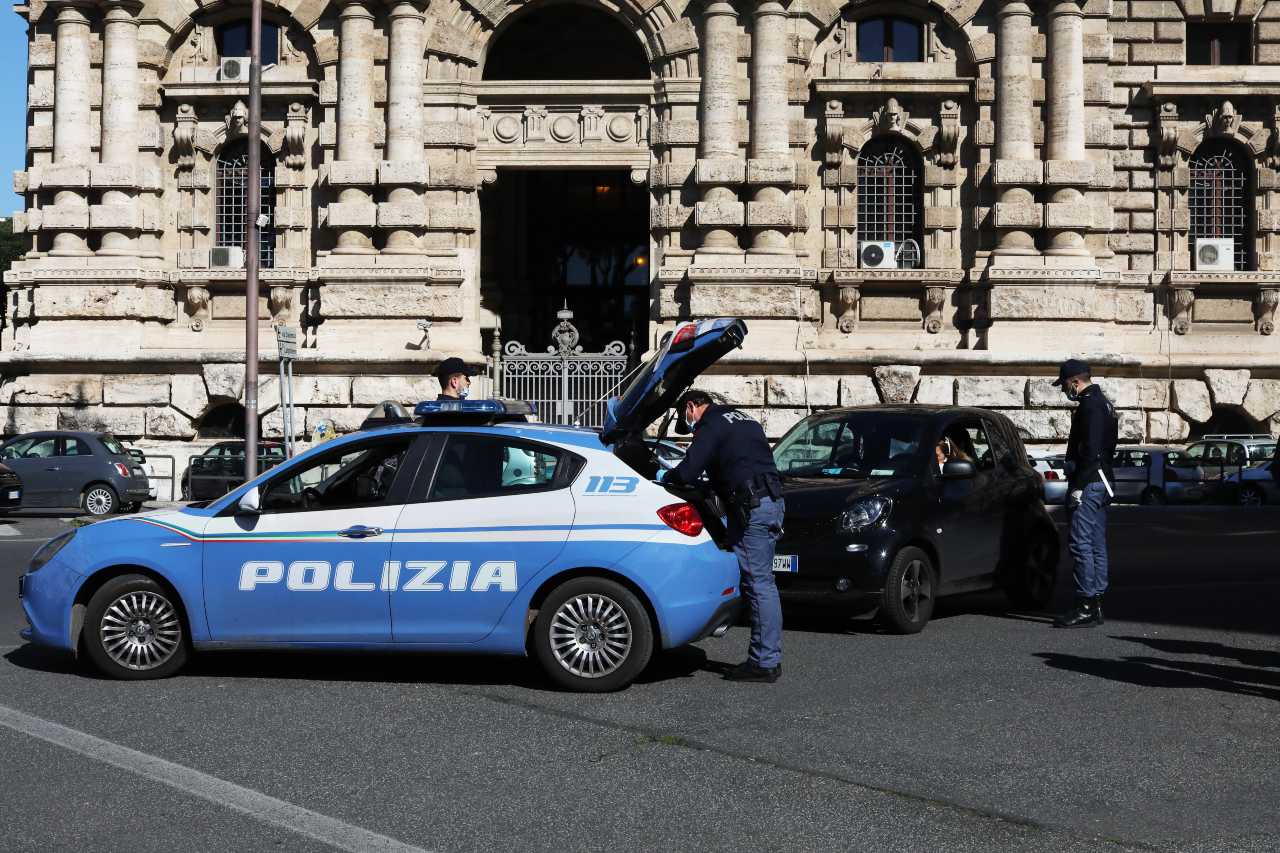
1044,173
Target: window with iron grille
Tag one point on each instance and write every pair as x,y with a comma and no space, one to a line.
890,198
231,223
1221,197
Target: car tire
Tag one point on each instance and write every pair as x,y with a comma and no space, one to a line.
134,630
580,628
1251,495
1153,497
909,592
99,499
1033,584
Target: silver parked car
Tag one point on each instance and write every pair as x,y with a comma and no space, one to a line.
1149,474
1256,485
1053,472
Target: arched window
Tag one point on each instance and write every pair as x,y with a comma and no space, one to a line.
230,213
890,199
890,39
1221,198
232,39
566,42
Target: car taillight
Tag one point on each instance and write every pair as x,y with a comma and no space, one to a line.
682,518
1051,475
684,336
121,468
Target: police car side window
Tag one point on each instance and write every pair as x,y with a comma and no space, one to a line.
477,466
350,476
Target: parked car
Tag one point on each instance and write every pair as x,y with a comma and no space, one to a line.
1148,474
1256,485
1053,471
1259,446
91,470
871,521
10,490
221,468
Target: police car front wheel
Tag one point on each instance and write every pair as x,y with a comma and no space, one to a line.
133,629
593,635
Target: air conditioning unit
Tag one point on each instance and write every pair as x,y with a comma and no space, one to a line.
1217,254
234,69
877,255
226,257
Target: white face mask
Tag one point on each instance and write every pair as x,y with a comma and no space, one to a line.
464,393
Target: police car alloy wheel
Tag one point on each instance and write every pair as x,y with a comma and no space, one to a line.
99,499
909,592
133,629
593,635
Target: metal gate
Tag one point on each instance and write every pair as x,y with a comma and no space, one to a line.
566,385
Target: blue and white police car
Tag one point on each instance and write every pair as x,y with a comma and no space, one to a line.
471,529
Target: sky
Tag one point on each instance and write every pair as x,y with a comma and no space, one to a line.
13,104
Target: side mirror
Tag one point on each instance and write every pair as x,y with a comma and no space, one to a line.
249,503
957,470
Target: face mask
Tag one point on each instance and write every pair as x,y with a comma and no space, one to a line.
1071,392
464,393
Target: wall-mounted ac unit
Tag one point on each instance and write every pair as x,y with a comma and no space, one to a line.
234,69
877,255
226,257
1216,254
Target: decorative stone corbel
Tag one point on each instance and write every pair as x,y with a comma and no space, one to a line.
933,301
846,302
280,304
890,118
295,136
1264,310
1224,121
1167,153
184,136
486,178
591,120
197,299
1183,298
237,120
946,144
833,133
535,119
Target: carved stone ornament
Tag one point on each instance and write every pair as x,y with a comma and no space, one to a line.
1183,299
946,144
184,136
280,303
934,300
197,299
890,118
295,136
833,133
565,336
1224,121
839,54
237,120
1167,153
847,304
1264,311
199,48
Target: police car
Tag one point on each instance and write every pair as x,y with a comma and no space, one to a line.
470,529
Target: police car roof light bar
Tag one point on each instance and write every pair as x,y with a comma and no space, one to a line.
472,411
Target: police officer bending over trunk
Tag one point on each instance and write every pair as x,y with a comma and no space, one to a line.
1089,451
731,449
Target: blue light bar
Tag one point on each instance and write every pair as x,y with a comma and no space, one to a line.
474,408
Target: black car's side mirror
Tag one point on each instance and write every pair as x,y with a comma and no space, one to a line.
959,469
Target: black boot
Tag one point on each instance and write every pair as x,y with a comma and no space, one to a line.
1097,605
1085,615
752,671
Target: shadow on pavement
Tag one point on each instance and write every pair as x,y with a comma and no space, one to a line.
1147,671
1249,657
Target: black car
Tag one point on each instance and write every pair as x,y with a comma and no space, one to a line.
874,521
221,468
10,490
91,470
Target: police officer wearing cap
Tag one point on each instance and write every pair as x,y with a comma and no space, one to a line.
730,448
1089,452
455,379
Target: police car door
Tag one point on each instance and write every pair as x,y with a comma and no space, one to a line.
494,513
309,566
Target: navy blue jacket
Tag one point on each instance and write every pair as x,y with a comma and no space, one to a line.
729,447
1092,444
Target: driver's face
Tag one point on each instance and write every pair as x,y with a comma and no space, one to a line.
940,452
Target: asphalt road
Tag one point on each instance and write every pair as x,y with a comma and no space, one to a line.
988,732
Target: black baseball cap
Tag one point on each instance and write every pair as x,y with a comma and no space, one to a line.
451,366
1069,368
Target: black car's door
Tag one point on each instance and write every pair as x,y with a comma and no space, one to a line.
79,468
35,459
970,510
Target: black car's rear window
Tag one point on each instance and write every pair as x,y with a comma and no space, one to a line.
860,444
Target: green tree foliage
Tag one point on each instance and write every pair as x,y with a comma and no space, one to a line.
10,245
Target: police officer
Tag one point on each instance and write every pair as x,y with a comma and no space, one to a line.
1089,451
731,449
455,379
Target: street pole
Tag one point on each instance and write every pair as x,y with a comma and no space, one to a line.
252,249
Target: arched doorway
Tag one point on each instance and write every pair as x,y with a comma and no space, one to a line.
565,93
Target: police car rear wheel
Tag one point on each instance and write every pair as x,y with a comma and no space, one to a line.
133,630
593,635
909,590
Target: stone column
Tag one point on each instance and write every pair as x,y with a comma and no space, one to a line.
770,169
405,166
354,167
119,124
1017,169
71,143
719,167
1067,215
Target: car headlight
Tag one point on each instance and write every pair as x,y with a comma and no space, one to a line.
48,550
865,513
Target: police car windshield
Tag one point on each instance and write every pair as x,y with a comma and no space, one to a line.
858,445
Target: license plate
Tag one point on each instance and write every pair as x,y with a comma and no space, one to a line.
786,563
13,495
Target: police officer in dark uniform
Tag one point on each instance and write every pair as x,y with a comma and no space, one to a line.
455,379
730,448
1090,448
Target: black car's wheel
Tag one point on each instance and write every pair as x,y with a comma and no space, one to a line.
99,499
909,592
133,629
1251,495
1031,586
592,635
1153,497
